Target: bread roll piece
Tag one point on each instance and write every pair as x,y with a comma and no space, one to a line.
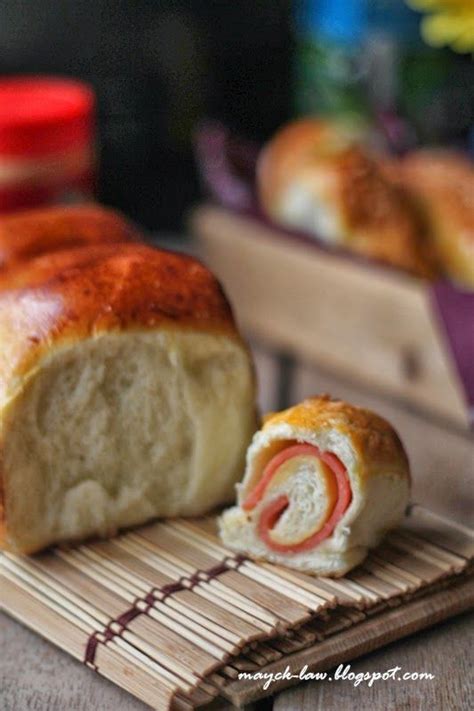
442,183
25,235
324,481
126,393
313,176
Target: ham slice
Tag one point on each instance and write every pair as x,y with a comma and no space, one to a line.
272,512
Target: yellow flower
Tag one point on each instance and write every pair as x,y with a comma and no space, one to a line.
449,22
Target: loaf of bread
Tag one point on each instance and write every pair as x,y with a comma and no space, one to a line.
126,393
25,235
313,176
324,481
441,184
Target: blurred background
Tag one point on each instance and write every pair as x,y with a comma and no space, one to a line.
158,67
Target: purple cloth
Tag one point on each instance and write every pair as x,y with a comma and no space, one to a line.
227,167
455,312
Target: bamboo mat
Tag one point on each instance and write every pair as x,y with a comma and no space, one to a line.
170,615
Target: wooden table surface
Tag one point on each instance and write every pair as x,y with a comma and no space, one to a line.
35,676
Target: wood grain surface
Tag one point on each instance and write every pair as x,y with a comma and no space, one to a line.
357,641
35,676
445,651
374,325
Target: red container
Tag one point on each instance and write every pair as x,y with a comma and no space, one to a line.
46,142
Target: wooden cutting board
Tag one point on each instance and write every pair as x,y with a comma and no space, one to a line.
316,304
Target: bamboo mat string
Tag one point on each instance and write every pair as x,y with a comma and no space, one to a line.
143,605
167,612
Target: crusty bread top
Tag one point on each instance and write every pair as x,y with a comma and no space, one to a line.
378,219
441,185
25,235
374,439
80,293
446,179
382,217
295,145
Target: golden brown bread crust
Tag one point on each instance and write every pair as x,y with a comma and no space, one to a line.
293,146
374,439
379,222
442,184
385,226
279,510
25,235
80,293
64,297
